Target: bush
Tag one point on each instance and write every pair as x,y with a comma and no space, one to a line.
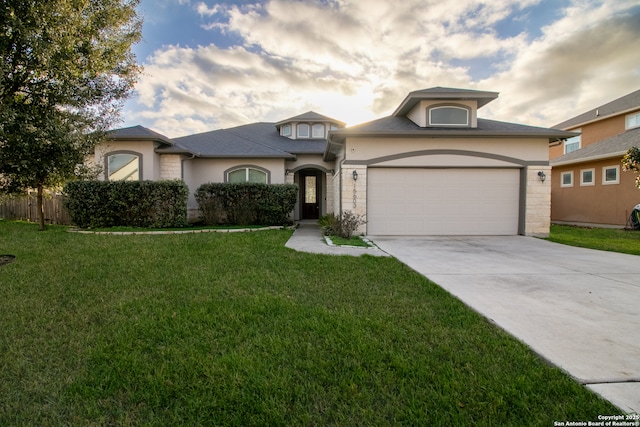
246,203
153,204
344,225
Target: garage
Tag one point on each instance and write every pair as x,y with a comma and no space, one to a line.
455,201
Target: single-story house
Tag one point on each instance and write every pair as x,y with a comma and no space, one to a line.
588,186
431,168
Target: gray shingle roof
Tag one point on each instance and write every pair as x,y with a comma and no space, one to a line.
611,147
138,133
310,116
445,94
402,126
252,140
623,104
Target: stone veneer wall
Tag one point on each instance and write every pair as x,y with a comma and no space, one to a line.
170,166
354,202
538,204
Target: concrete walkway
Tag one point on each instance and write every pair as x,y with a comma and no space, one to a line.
308,238
577,308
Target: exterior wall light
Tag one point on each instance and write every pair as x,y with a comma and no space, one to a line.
542,176
355,175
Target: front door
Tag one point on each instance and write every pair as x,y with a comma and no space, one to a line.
310,196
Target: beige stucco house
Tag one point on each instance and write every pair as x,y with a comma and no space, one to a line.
431,168
588,185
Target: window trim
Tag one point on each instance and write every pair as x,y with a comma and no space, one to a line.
267,172
584,183
636,117
298,127
466,109
562,175
107,174
316,126
286,130
604,175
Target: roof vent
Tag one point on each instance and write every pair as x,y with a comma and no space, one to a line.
597,113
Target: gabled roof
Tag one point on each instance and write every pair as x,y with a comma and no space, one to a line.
138,133
252,140
621,105
444,94
310,116
614,146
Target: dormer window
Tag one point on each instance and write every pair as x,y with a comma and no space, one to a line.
303,130
317,130
448,116
286,130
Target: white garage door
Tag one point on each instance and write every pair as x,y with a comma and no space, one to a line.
405,201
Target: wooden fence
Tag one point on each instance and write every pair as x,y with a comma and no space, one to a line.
25,208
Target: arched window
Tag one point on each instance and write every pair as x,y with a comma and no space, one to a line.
286,130
449,116
123,166
317,130
303,130
247,174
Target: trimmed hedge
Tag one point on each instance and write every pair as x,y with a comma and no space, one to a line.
246,203
153,204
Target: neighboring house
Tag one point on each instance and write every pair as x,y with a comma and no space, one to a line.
431,168
588,186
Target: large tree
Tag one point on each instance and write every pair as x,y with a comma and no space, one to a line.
631,162
67,67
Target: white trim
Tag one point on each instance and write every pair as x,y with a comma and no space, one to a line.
604,175
455,107
562,184
628,116
298,127
593,177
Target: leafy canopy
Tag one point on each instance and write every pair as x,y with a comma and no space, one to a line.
66,69
631,162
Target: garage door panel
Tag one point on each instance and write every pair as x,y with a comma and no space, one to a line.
442,201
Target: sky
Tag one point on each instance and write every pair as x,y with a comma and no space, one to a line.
211,65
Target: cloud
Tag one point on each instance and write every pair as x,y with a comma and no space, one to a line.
356,61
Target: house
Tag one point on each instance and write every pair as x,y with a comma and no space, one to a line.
432,167
588,186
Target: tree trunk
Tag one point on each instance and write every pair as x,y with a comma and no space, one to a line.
40,208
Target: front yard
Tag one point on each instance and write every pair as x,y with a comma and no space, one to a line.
604,239
236,329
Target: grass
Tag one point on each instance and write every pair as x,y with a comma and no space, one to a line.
235,329
352,241
604,239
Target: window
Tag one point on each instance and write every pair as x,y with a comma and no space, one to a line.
123,166
449,116
633,120
333,127
610,175
303,130
317,130
573,143
247,174
587,176
286,130
566,179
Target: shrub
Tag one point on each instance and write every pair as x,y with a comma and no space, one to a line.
153,204
246,203
343,225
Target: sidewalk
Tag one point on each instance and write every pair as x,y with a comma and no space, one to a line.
308,238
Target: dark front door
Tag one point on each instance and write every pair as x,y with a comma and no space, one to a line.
310,196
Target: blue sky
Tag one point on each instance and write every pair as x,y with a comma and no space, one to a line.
210,65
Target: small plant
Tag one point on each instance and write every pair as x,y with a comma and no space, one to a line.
343,225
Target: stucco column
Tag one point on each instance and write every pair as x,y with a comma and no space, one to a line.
289,178
170,166
538,205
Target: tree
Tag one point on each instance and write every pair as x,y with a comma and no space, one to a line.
631,162
67,68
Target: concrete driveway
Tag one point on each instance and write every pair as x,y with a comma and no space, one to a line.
578,308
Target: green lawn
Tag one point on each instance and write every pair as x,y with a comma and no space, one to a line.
604,239
235,329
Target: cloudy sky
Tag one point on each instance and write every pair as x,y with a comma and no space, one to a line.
211,65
